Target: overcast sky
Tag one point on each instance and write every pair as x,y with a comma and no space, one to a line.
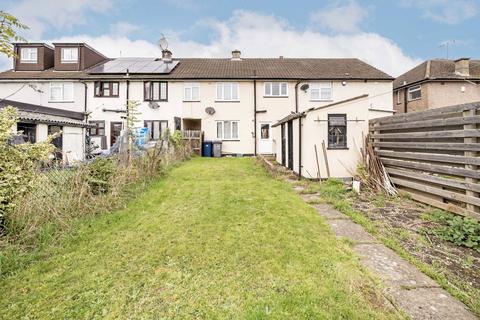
391,35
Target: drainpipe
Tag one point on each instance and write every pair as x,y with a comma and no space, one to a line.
299,133
85,110
255,112
405,101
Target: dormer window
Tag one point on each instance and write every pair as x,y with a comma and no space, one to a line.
69,55
28,55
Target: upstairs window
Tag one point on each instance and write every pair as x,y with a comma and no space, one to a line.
191,91
321,91
276,89
98,129
227,91
337,131
28,55
69,55
414,93
227,130
106,89
61,91
155,91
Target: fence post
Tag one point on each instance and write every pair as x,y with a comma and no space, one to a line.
471,113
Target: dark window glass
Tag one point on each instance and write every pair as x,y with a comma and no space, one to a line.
337,131
156,128
98,130
27,131
106,89
155,91
265,131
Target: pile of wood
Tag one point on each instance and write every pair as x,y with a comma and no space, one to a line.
375,177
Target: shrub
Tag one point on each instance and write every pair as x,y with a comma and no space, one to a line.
462,231
99,174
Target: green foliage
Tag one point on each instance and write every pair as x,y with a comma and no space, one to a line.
462,231
9,25
18,163
99,175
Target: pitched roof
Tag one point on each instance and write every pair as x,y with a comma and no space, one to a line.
439,69
249,68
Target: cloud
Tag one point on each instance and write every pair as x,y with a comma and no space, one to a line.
260,35
342,17
123,29
40,15
445,11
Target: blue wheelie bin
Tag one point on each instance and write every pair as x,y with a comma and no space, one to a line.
207,149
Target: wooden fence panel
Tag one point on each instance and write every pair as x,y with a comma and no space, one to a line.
434,155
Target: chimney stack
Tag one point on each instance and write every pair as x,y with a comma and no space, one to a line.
236,55
166,56
462,67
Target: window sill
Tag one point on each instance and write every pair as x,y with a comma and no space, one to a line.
106,96
339,148
191,100
158,101
61,101
321,100
275,96
28,61
69,62
227,101
409,100
228,140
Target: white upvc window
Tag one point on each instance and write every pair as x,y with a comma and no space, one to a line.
227,130
227,91
414,93
399,98
321,91
69,55
28,55
191,91
276,89
61,91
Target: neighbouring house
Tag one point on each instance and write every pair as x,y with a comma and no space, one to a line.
437,83
235,100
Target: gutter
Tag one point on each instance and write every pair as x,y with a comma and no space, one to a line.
255,112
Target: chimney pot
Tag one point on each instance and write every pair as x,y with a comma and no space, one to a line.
166,55
462,67
236,55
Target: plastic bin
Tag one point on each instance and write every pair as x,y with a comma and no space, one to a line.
217,149
207,149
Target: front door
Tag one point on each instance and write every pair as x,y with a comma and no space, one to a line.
115,131
265,145
290,144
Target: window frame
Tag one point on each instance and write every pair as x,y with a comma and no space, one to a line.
97,128
399,100
222,122
222,98
319,86
30,50
337,147
101,93
191,85
70,60
271,95
151,86
151,133
414,89
53,83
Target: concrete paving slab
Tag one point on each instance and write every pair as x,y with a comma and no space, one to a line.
298,188
391,268
308,197
351,230
429,304
328,212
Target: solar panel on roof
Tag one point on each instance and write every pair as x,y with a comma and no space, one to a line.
135,65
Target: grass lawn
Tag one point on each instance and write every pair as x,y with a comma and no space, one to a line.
214,239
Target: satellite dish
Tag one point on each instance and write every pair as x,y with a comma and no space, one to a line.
153,105
163,43
304,87
210,110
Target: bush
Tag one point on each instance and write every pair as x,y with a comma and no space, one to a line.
99,174
462,231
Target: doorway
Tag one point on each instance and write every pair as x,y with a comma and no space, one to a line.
57,141
265,145
290,144
115,131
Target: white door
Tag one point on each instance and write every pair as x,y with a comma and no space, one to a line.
265,145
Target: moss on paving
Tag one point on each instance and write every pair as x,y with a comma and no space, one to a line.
214,239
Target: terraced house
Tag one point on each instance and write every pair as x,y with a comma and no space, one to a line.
235,100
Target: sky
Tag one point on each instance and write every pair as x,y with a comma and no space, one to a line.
393,36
